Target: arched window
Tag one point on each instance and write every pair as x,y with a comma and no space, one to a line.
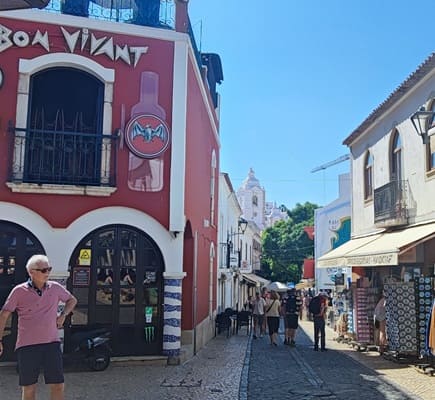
211,281
254,200
212,187
396,158
368,176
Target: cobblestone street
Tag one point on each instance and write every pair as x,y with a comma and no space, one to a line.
242,368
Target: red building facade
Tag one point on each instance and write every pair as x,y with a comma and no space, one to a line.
109,148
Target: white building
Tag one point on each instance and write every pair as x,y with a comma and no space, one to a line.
228,236
393,175
332,225
274,214
252,199
392,248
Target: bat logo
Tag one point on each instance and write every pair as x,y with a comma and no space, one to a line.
147,136
148,132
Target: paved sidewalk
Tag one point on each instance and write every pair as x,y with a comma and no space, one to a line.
401,375
217,372
213,374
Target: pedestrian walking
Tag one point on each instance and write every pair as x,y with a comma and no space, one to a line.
38,345
292,309
265,295
273,314
259,305
318,307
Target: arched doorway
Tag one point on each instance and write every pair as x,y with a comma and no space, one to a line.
17,245
116,273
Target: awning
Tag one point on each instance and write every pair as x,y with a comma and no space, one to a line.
387,248
258,281
377,250
304,285
336,257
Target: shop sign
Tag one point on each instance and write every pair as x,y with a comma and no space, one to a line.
234,260
373,260
85,257
78,41
81,276
147,136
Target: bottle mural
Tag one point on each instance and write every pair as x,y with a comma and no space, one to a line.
147,137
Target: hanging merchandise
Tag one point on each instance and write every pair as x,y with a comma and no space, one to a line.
401,317
430,332
423,291
365,302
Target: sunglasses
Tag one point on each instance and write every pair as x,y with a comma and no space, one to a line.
43,270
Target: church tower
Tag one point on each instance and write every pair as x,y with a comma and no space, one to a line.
252,199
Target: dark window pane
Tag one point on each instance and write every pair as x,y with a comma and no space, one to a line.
103,315
126,315
82,295
80,316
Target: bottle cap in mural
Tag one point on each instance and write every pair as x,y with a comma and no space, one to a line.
147,136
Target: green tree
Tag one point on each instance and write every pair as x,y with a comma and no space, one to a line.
285,245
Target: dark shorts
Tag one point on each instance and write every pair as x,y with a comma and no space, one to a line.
258,319
272,324
31,359
292,321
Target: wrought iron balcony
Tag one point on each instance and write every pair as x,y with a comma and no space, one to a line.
390,204
62,158
155,13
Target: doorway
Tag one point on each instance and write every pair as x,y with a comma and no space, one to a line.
117,276
17,245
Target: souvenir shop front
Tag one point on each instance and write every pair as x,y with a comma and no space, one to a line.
400,265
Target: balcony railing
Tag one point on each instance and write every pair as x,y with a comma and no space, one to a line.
390,204
155,13
62,158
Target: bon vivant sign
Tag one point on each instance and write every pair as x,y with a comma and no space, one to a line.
79,40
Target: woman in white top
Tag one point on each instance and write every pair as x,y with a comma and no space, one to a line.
273,313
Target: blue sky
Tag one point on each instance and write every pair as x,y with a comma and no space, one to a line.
300,76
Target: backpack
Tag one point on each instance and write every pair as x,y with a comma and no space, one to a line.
314,306
290,305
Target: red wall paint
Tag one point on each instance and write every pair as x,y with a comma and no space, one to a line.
158,59
187,284
200,142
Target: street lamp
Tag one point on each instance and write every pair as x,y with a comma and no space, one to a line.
242,224
421,120
20,4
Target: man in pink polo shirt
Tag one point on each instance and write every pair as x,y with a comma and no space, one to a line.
38,345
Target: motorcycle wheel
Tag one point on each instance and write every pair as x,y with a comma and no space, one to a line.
99,361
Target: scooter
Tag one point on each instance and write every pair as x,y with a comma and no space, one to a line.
92,347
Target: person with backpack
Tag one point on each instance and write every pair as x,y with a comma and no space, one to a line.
292,311
317,307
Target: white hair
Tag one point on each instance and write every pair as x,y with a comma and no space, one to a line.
37,260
